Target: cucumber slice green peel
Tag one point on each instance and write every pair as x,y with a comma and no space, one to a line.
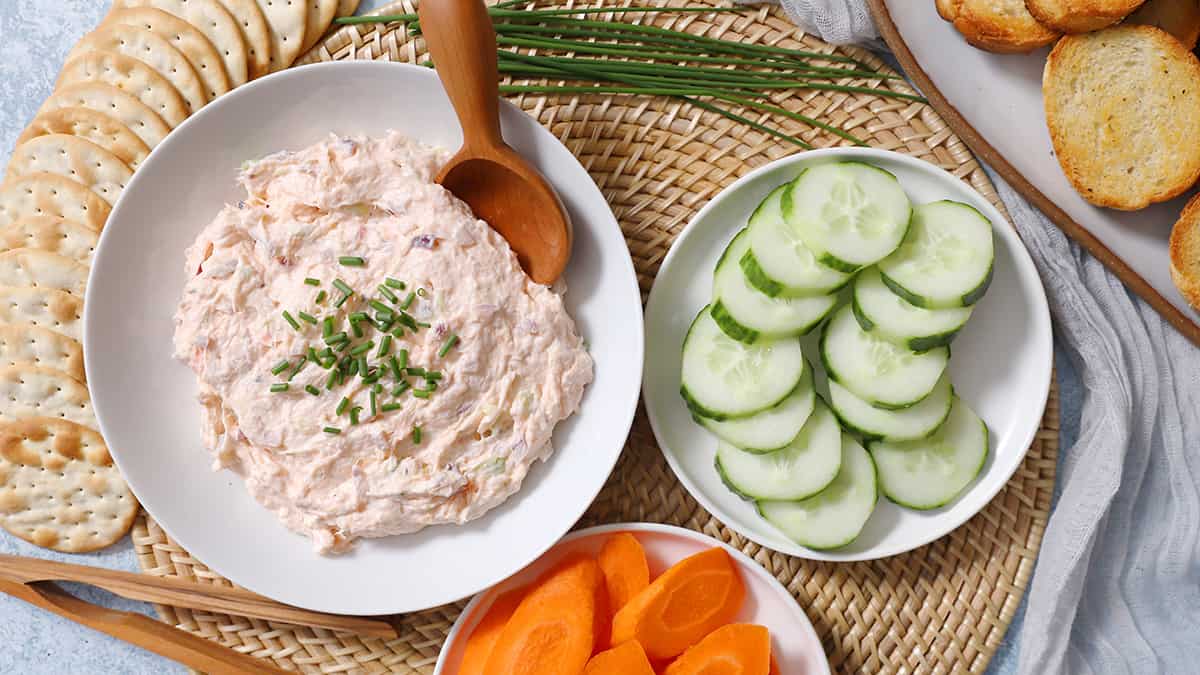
882,312
946,260
801,469
772,429
778,263
932,472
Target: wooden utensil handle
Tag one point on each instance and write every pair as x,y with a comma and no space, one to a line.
462,42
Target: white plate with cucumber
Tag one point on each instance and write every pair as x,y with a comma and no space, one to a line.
848,352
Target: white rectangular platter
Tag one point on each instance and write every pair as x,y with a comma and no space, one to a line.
994,103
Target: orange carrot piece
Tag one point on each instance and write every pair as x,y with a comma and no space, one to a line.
627,658
487,631
691,599
734,649
626,572
774,666
553,629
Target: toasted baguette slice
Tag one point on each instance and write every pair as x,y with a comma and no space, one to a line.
1185,252
1002,26
1123,109
1180,18
1082,16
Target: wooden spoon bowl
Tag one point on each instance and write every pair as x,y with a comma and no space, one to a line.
496,182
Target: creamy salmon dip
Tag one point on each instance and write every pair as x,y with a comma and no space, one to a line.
350,243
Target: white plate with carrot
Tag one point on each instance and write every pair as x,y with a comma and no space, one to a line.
635,599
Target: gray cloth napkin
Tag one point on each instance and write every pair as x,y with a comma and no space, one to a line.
1116,588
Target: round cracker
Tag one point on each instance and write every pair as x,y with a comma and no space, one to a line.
131,76
154,51
59,487
286,20
47,233
255,33
75,158
184,37
48,194
212,19
25,344
320,15
90,125
109,100
33,391
47,308
42,269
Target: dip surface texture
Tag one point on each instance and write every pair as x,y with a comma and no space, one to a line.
516,368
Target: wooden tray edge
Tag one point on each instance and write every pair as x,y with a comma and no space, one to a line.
976,142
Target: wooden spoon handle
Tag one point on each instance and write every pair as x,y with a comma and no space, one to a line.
190,650
462,42
169,591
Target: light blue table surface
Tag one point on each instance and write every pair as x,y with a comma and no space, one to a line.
35,36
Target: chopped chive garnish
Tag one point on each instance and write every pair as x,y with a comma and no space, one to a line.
356,328
373,376
377,388
389,407
422,324
415,371
374,408
288,316
394,283
342,405
278,387
336,338
433,375
387,293
341,346
403,359
381,308
312,355
395,368
448,345
362,348
327,327
351,261
408,321
353,369
312,282
321,295
421,292
355,317
312,390
299,367
332,430
420,393
399,331
363,370
342,300
408,300
354,414
385,326
416,435
385,346
332,380
341,286
305,316
401,388
280,367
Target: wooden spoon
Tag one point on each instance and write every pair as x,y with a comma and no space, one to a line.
497,183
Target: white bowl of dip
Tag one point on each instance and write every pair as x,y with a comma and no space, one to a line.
146,402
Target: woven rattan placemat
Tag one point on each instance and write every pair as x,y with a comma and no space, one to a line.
941,608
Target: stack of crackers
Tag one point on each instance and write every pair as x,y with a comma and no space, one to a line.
147,67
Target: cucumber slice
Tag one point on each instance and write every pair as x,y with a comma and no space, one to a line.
883,374
802,469
772,429
931,472
836,515
746,314
891,317
723,378
849,214
908,424
778,263
946,258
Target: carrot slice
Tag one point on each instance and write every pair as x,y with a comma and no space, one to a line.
735,649
774,666
626,572
627,658
691,599
552,631
487,631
